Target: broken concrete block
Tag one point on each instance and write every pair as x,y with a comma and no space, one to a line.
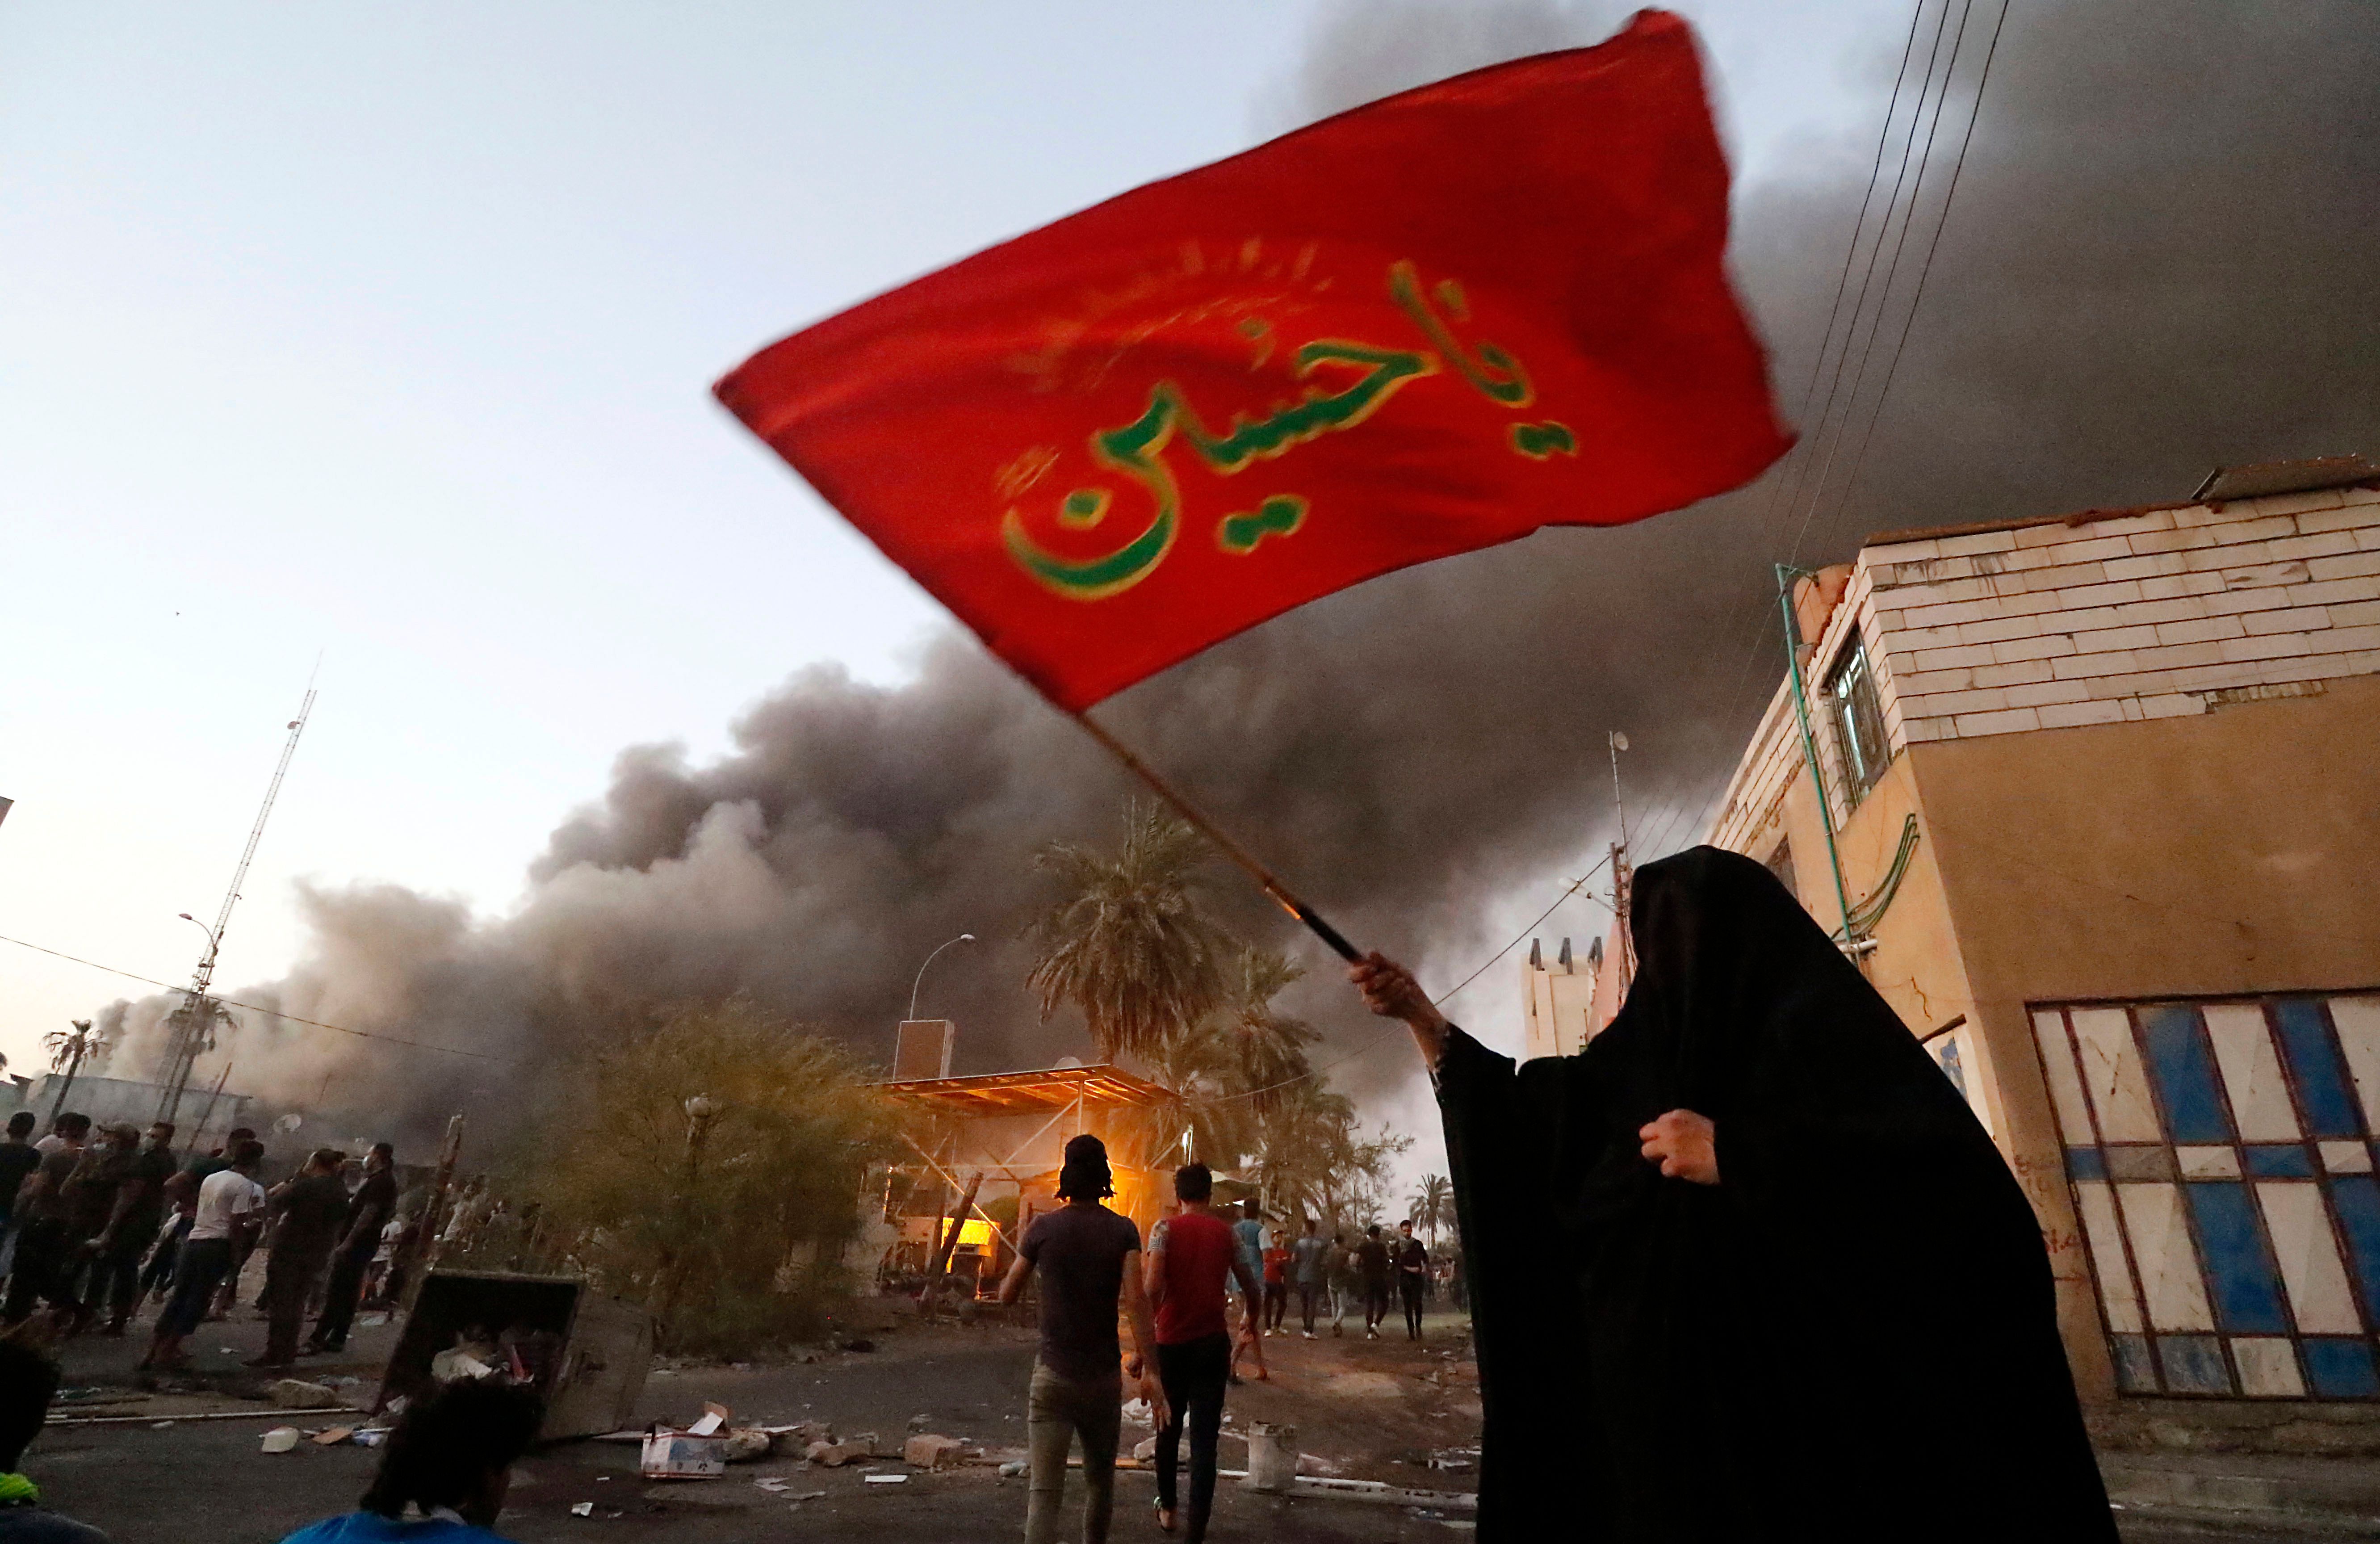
295,1393
930,1450
834,1456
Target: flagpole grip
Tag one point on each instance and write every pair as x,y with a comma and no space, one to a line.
1272,887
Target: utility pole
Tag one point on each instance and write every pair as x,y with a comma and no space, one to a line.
194,1029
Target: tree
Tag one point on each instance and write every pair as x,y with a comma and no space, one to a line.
709,1165
1433,1204
1126,942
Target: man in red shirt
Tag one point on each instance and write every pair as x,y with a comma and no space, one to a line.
1191,1255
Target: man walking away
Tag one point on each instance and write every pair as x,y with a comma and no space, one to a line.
1191,1255
1412,1276
1276,1284
311,1207
352,1255
1372,1256
1346,1281
230,1208
44,1266
28,1380
1248,1237
1310,1264
1088,1257
132,1226
18,1159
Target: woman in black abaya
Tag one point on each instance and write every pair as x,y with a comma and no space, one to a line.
1746,1267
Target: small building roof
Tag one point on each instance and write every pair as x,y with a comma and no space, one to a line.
2261,480
1021,1093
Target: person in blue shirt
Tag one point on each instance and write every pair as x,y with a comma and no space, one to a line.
444,1475
1248,1237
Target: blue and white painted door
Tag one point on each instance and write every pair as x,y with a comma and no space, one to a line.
2221,1156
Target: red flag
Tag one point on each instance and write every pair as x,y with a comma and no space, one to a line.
1427,325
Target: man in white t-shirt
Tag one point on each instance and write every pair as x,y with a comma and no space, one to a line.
230,1209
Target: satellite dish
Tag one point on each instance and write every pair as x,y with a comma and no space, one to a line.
289,1122
1620,739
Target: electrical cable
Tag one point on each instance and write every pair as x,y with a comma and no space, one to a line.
1576,885
1891,272
1925,269
258,1007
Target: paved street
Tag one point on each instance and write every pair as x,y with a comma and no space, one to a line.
1369,1409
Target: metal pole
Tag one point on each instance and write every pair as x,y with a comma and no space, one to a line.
424,1253
191,1146
963,938
1786,575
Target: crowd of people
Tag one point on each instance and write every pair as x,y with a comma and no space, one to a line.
97,1222
1333,1273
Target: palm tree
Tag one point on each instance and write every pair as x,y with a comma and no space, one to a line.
1126,942
1433,1204
1264,1049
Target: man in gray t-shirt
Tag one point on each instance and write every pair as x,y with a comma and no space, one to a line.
1089,1261
1309,1270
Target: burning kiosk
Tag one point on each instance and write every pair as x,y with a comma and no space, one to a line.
990,1159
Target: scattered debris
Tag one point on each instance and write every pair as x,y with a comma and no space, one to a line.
280,1438
709,1425
807,1496
1136,1411
1146,1450
1016,1467
330,1437
919,1423
371,1437
160,1425
460,1361
683,1455
746,1444
295,1393
884,1479
931,1450
583,1509
371,1322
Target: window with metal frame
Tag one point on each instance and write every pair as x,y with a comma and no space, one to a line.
2220,1153
1858,712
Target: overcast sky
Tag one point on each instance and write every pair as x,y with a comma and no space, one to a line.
384,333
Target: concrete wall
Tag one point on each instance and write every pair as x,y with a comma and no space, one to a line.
2229,852
2144,614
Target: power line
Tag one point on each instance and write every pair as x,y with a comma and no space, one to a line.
1576,885
1925,269
258,1007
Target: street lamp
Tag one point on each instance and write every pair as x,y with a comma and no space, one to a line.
963,938
214,944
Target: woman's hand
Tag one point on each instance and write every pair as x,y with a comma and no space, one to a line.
1684,1144
1390,991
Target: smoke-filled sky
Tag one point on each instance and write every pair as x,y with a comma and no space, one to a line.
508,513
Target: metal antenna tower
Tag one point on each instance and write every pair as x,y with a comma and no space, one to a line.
194,1021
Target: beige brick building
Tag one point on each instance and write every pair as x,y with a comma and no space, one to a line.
2102,792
